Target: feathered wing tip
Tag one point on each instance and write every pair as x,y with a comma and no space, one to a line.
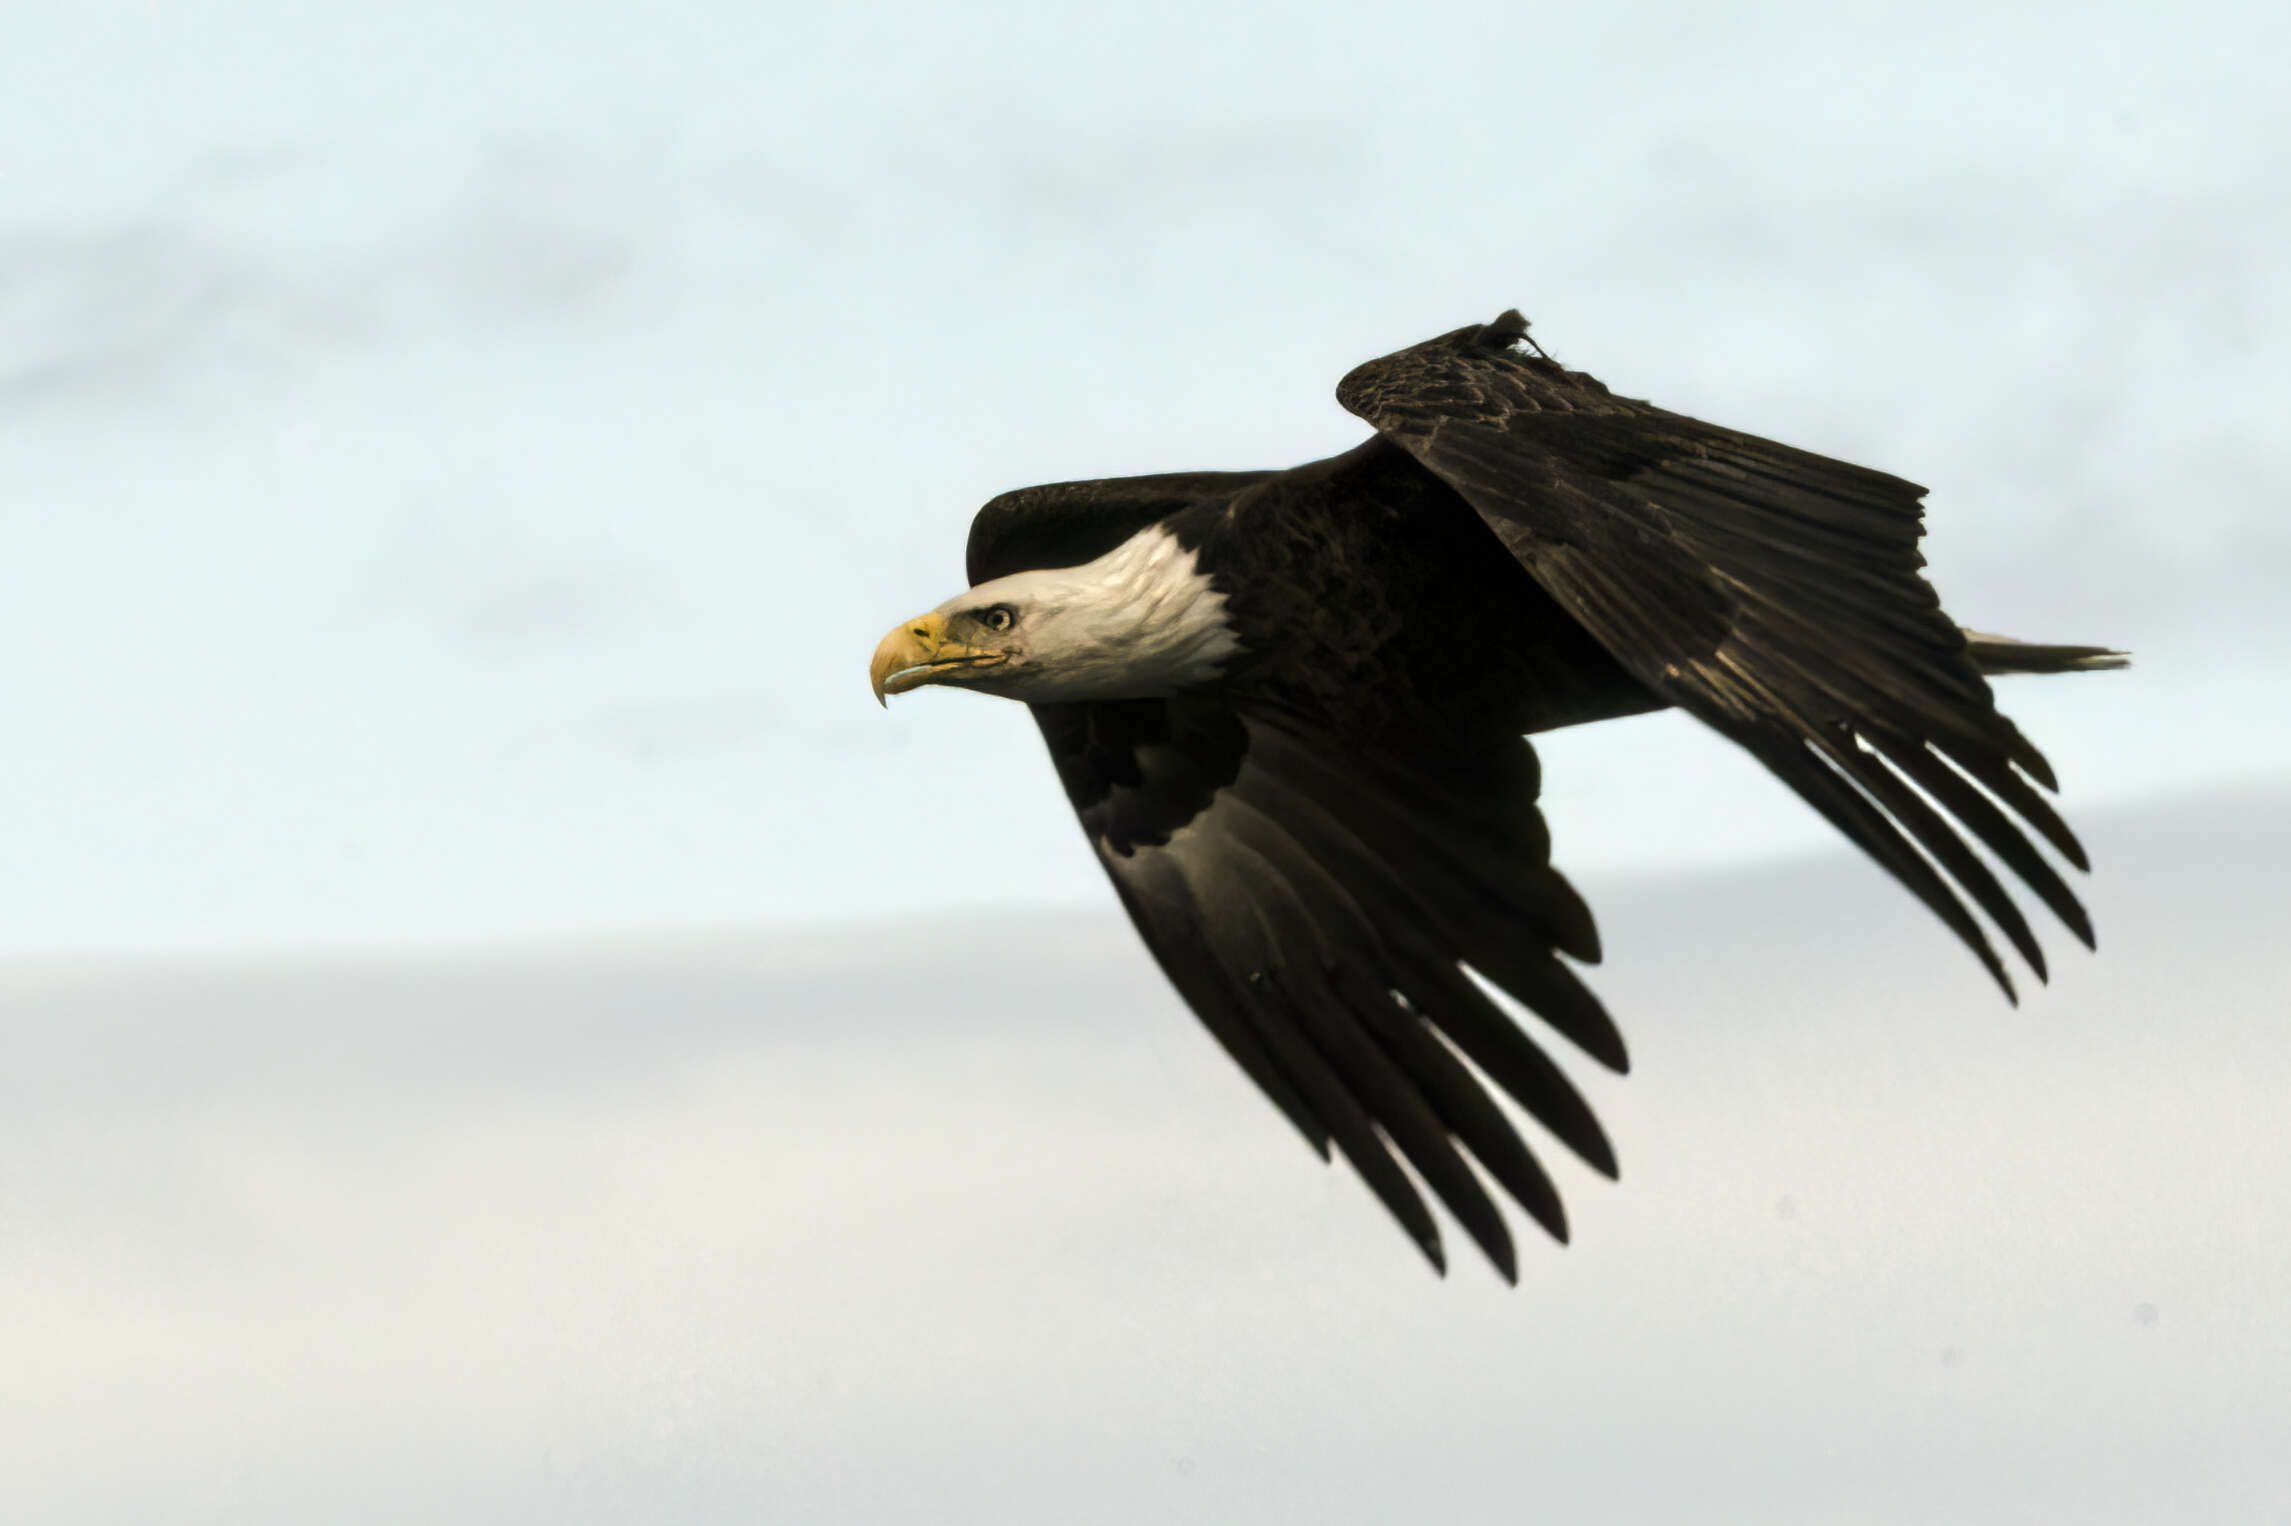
1774,594
2002,654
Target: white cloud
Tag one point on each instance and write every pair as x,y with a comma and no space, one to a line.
965,1217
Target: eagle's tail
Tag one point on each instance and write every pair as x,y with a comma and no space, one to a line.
2002,654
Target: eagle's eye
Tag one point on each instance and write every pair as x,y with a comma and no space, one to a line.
997,617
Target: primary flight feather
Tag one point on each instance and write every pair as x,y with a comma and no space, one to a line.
1291,709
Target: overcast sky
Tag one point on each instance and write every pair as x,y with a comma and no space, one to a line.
456,460
499,1027
893,1227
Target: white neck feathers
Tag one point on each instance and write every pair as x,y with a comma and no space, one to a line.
1140,622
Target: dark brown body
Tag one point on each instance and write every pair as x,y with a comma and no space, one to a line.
1374,598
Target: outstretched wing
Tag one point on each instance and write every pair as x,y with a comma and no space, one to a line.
1312,908
1315,909
1773,593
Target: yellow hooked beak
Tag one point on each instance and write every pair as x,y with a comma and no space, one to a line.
918,653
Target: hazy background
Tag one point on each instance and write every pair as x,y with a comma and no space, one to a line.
496,1023
458,460
891,1226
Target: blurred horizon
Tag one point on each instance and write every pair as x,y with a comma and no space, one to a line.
887,1228
2260,796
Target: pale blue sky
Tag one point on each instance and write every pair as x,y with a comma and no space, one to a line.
456,460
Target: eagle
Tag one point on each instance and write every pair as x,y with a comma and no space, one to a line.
1291,709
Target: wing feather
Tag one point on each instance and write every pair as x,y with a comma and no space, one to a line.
1775,594
1320,919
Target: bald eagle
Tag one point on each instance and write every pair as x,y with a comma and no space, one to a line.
1291,710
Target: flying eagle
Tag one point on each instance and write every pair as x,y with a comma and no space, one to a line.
1291,710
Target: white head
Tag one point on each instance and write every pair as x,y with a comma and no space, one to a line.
1139,622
